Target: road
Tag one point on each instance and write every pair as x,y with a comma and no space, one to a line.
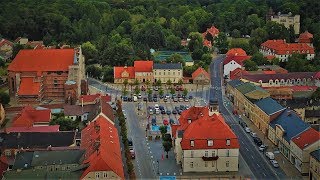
255,159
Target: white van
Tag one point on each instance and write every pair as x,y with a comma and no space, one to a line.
156,106
270,155
135,98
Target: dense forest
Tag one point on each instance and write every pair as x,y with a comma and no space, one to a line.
115,32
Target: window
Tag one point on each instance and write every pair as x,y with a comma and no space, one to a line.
227,163
155,73
228,142
7,153
206,154
97,175
228,153
168,73
192,154
179,73
210,142
192,143
164,73
212,163
55,82
159,73
213,153
105,174
206,164
174,73
191,164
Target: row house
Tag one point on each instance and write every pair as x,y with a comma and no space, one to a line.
301,146
238,73
46,74
282,50
200,149
314,172
288,20
32,117
287,79
168,71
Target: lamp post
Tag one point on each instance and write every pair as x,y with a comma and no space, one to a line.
158,166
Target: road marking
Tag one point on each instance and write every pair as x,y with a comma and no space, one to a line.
252,157
264,174
258,165
247,149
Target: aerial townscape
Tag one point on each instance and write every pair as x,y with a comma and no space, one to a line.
149,89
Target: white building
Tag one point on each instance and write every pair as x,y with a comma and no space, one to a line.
233,62
203,142
168,71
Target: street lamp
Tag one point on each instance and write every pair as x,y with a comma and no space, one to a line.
158,166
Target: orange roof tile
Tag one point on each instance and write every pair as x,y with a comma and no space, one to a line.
106,108
119,70
213,31
281,47
305,37
238,59
269,72
53,128
200,70
101,141
207,43
43,60
201,130
29,116
28,86
270,57
236,52
143,66
306,138
89,98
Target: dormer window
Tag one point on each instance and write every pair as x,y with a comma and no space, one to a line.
228,142
210,142
192,143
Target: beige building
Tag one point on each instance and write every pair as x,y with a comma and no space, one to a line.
143,71
288,20
2,114
301,147
200,149
168,71
314,173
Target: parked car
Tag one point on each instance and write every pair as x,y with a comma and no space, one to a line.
175,99
167,96
186,100
151,111
243,124
270,155
174,111
179,95
155,95
263,147
161,107
274,163
139,106
156,88
168,112
125,98
181,99
155,99
156,107
130,99
165,99
190,97
143,88
176,108
253,134
130,143
163,111
179,112
161,96
139,96
132,153
248,130
150,99
181,107
145,99
257,141
157,111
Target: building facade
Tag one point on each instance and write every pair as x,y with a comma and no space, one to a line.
288,20
282,50
199,149
200,76
38,75
314,173
169,71
143,71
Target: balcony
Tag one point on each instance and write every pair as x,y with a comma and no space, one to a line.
210,158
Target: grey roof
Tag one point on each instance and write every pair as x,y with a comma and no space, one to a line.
269,106
291,123
26,160
316,154
36,139
168,66
235,83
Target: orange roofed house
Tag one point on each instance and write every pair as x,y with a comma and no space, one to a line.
103,156
123,73
143,71
282,50
203,142
46,74
200,76
214,32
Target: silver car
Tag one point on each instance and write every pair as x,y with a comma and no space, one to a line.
274,163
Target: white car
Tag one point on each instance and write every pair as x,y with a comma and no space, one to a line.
156,106
139,96
248,130
262,147
186,100
274,163
253,134
151,111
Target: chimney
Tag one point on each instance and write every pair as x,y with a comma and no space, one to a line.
213,107
189,120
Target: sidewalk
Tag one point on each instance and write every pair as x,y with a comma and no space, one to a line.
284,163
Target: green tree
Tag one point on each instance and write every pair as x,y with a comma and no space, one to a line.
195,41
258,36
180,82
66,124
107,74
149,91
124,92
4,98
94,71
172,91
173,42
185,92
158,83
222,43
276,30
169,83
137,90
167,145
235,33
176,58
90,52
161,92
250,65
206,58
316,94
125,83
241,43
259,59
296,63
163,130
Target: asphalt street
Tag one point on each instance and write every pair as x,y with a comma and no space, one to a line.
255,159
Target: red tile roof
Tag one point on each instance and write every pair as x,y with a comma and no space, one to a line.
207,43
43,60
30,116
270,57
236,52
266,77
306,138
106,108
269,72
200,70
238,73
4,41
54,128
281,47
143,66
305,37
101,141
238,59
213,31
28,86
209,128
119,70
89,98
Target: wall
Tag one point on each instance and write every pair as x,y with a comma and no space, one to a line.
201,79
224,163
177,150
101,175
144,76
165,74
314,169
227,68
